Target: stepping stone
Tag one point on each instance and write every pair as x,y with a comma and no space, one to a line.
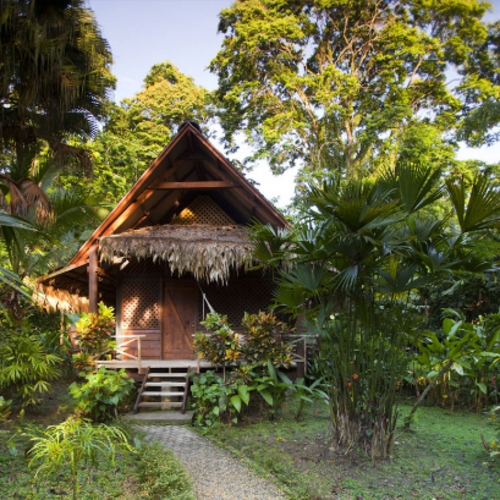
160,417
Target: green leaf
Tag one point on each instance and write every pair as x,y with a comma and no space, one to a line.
236,402
244,393
267,397
482,387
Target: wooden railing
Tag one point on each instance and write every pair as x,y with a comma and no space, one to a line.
120,347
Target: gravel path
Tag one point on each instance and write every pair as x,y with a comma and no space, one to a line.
216,473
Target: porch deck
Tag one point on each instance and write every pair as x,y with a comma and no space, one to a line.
155,363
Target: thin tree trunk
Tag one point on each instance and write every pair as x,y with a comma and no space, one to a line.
408,419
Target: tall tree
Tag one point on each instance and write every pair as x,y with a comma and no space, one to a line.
54,76
332,84
138,130
481,89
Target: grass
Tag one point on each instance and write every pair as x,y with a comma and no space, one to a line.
441,458
150,474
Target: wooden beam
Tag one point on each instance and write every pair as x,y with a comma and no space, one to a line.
194,185
101,272
93,278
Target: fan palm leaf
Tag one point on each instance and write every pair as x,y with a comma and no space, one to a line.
476,209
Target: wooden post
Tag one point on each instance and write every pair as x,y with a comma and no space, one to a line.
139,353
93,279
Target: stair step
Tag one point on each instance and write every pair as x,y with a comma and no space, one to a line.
166,375
165,384
157,403
155,393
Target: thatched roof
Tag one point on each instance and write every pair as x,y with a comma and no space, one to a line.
56,299
208,252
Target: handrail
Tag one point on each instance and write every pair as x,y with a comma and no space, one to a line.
133,338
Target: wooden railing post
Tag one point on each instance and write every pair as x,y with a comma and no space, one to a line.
139,353
93,279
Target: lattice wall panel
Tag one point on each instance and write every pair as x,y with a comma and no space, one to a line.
203,210
240,296
141,304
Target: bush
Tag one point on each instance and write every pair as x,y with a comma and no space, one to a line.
75,443
102,394
266,338
161,475
93,334
4,410
220,345
26,368
210,395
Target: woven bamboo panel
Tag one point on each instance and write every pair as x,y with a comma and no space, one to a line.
141,304
238,297
203,210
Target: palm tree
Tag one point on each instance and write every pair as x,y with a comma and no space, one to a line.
53,80
360,251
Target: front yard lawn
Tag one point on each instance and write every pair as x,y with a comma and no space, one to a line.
441,458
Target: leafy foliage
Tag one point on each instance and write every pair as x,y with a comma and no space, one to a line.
26,368
220,345
54,79
4,410
138,129
93,334
210,395
332,85
100,397
266,338
76,443
362,247
460,362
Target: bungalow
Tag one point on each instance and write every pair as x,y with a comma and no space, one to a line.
175,245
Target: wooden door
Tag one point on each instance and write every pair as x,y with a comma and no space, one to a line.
180,311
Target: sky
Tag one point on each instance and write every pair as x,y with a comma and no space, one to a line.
145,32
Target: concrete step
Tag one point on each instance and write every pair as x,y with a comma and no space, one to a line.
159,393
161,417
166,375
168,404
165,384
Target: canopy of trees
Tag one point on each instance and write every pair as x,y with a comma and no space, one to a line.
336,84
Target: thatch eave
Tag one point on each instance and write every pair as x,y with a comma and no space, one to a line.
207,252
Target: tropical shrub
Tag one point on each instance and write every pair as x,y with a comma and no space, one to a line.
211,398
100,397
74,444
266,338
364,248
26,368
220,344
4,410
93,334
362,369
161,475
459,362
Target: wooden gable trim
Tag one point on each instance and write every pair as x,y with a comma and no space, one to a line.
194,185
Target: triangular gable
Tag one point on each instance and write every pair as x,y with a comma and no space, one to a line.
159,192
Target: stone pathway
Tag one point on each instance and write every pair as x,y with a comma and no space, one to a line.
216,473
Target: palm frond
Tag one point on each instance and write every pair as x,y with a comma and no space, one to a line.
478,209
417,185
